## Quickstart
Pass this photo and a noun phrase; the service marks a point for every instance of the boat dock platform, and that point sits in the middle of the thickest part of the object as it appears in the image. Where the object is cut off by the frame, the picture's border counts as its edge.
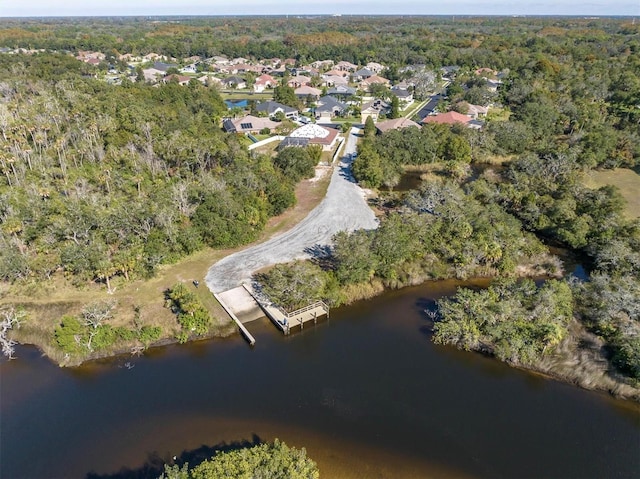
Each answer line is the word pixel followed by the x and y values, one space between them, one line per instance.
pixel 285 321
pixel 242 301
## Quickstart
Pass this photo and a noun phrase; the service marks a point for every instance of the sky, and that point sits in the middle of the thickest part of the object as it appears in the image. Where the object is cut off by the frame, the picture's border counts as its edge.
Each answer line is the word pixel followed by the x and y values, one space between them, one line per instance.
pixel 19 8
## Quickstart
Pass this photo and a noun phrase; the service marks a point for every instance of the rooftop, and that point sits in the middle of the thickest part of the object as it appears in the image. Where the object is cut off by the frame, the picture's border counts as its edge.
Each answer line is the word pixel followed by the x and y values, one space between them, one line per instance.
pixel 448 118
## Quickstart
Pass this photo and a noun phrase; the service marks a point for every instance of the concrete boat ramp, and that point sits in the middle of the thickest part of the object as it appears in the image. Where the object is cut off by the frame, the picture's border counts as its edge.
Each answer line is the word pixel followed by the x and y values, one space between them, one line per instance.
pixel 244 305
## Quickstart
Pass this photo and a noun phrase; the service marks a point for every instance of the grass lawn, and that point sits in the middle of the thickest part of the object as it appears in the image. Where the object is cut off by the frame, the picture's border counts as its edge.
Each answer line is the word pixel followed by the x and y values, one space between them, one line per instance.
pixel 245 95
pixel 498 114
pixel 413 108
pixel 268 149
pixel 627 181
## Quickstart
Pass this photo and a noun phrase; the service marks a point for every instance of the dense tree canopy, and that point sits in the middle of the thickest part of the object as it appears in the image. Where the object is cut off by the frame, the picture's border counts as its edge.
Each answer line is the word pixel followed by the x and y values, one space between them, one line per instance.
pixel 268 461
pixel 102 181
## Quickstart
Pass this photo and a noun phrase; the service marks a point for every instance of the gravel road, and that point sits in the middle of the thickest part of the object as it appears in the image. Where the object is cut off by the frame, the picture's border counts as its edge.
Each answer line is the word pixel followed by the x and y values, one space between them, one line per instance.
pixel 344 208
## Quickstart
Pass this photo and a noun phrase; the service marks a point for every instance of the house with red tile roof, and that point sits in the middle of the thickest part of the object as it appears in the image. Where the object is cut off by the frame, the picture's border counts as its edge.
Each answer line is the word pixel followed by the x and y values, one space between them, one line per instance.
pixel 263 82
pixel 180 79
pixel 449 118
pixel 373 80
pixel 336 73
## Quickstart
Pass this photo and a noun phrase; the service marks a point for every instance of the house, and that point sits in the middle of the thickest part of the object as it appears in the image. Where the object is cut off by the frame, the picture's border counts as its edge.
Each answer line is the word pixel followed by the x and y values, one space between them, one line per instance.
pixel 403 95
pixel 219 60
pixel 333 80
pixel 363 74
pixel 346 66
pixel 208 80
pixel 234 82
pixel 244 68
pixel 395 124
pixel 449 118
pixel 336 73
pixel 374 67
pixel 93 58
pixel 191 68
pixel 248 124
pixel 492 85
pixel 329 107
pixel 152 57
pixel 305 91
pixel 322 64
pixel 475 111
pixel 317 135
pixel 163 67
pixel 272 63
pixel 152 75
pixel 291 141
pixel 271 108
pixel 239 60
pixel 449 72
pixel 280 71
pixel 129 58
pixel 305 70
pixel 298 81
pixel 373 80
pixel 341 92
pixel 374 109
pixel 180 79
pixel 263 82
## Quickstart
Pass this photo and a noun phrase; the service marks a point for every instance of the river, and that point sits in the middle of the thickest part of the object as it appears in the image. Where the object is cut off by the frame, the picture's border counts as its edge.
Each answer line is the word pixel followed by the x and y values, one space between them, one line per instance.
pixel 366 393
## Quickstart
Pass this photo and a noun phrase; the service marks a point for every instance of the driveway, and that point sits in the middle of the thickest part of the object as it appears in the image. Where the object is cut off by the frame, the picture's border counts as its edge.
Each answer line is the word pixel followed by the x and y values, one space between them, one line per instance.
pixel 344 208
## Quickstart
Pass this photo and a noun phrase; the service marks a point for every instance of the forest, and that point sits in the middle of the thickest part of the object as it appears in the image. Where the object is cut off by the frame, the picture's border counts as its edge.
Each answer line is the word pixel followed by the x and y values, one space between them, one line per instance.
pixel 104 183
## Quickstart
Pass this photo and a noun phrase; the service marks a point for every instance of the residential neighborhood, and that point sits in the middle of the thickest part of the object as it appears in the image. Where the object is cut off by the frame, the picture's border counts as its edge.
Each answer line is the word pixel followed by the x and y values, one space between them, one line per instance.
pixel 326 92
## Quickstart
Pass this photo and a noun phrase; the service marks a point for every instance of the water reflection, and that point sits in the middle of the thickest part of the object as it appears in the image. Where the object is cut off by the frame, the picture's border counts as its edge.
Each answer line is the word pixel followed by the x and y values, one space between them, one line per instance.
pixel 366 393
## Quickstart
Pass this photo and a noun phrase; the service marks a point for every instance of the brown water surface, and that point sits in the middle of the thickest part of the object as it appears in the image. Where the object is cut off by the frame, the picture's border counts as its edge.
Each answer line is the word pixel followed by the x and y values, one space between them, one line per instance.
pixel 366 393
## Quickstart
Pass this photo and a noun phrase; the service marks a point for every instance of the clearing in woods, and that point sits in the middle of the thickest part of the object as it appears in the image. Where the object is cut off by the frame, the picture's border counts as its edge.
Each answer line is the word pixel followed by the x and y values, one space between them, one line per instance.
pixel 628 182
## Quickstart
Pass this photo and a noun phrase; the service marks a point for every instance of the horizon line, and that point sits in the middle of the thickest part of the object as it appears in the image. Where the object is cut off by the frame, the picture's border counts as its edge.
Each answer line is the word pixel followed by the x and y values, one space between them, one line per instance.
pixel 335 15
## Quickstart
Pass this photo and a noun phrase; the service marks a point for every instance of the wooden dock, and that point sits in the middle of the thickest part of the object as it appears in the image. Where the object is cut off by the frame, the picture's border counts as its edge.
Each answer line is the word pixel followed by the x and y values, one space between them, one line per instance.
pixel 285 321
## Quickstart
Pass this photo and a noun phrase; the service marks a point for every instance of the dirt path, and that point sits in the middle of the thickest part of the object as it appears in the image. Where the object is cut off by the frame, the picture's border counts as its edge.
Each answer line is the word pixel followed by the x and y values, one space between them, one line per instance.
pixel 343 209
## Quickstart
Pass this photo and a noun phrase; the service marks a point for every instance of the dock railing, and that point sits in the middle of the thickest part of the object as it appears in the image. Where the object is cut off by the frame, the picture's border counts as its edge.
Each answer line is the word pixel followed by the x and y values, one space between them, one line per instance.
pixel 317 304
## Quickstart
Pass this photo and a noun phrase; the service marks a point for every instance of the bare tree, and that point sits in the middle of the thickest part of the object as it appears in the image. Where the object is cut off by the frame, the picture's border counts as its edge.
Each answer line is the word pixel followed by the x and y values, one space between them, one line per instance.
pixel 94 314
pixel 10 318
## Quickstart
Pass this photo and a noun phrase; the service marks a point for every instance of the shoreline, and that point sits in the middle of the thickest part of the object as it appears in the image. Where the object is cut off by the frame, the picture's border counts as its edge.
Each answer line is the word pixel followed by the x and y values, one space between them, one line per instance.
pixel 309 194
pixel 570 363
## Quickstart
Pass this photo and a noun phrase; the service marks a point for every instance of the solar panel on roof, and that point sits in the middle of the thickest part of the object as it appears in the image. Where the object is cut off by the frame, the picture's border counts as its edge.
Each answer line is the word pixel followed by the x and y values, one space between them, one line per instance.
pixel 246 126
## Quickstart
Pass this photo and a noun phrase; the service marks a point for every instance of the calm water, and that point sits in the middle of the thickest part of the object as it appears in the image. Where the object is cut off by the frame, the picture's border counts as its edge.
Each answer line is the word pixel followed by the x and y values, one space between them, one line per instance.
pixel 366 393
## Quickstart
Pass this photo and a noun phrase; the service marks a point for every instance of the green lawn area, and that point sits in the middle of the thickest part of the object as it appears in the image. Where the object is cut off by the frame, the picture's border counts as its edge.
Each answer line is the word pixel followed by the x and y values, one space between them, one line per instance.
pixel 627 181
pixel 268 149
pixel 413 108
pixel 245 95
pixel 498 114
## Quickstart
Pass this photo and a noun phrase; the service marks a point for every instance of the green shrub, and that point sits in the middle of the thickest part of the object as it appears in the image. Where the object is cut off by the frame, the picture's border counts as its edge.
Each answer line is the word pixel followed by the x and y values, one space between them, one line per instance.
pixel 276 461
pixel 149 334
pixel 71 336
pixel 192 315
